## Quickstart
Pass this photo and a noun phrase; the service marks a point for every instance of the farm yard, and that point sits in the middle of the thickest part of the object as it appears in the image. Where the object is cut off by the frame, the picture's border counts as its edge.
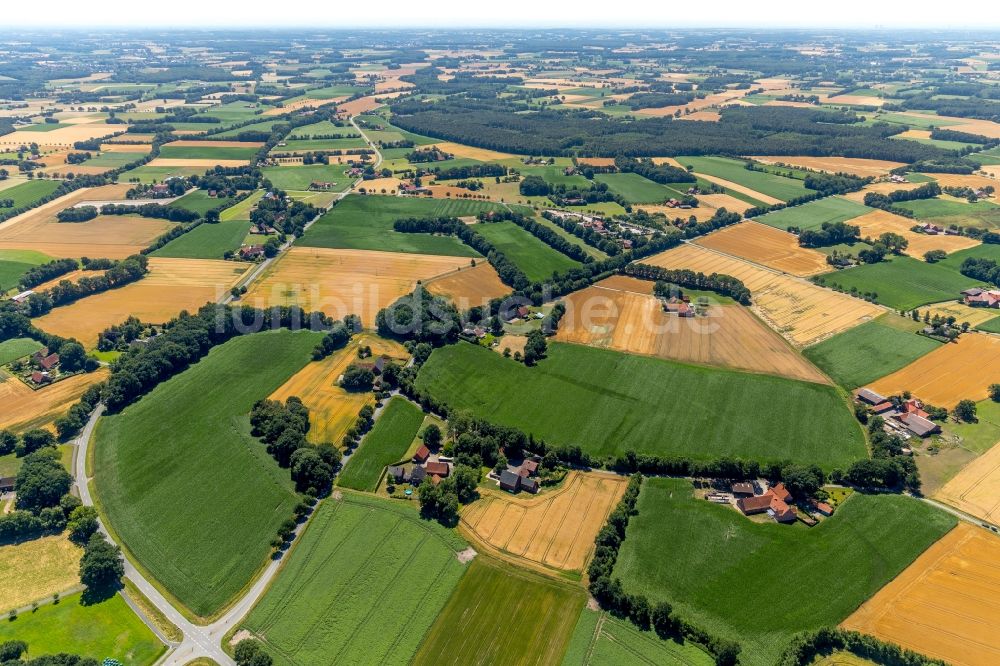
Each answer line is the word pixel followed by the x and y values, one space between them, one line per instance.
pixel 766 245
pixel 364 551
pixel 621 313
pixel 553 530
pixel 603 401
pixel 942 605
pixel 705 558
pixel 205 548
pixel 386 443
pixel 976 488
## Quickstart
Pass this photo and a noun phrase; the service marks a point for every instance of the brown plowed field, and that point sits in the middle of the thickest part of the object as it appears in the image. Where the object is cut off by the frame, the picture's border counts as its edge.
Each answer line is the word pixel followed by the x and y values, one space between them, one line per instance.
pixel 802 312
pixel 25 408
pixel 855 165
pixel 621 313
pixel 946 604
pixel 555 529
pixel 332 410
pixel 879 222
pixel 341 282
pixel 469 287
pixel 950 373
pixel 976 489
pixel 767 245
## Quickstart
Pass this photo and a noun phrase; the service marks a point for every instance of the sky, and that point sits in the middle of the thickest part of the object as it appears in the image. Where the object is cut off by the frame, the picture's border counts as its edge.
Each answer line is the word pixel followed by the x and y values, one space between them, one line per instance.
pixel 856 14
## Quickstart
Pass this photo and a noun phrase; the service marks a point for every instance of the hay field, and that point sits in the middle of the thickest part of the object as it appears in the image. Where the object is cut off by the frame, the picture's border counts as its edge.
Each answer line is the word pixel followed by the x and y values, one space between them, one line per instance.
pixel 341 282
pixel 596 161
pixel 378 185
pixel 879 222
pixel 944 604
pixel 855 165
pixel 952 372
pixel 767 245
pixel 63 137
pixel 194 162
pixel 332 409
pixel 35 570
pixel 976 489
pixel 24 408
pixel 170 286
pixel 727 201
pixel 469 287
pixel 470 152
pixel 802 312
pixel 621 313
pixel 555 529
pixel 742 189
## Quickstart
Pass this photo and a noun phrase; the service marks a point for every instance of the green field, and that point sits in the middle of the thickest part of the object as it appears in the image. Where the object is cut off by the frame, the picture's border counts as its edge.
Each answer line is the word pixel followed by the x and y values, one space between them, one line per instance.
pixel 206 241
pixel 193 496
pixel 112 160
pixel 635 188
pixel 721 570
pixel 308 146
pixel 329 92
pixel 764 182
pixel 385 444
pixel 208 152
pixel 241 211
pixel 498 611
pixel 29 192
pixel 199 202
pixel 365 583
pixel 15 263
pixel 365 223
pixel 150 174
pixel 10 463
pixel 812 215
pixel 872 350
pixel 984 251
pixel 15 348
pixel 991 326
pixel 108 629
pixel 601 638
pixel 299 177
pixel 901 282
pixel 608 402
pixel 945 212
pixel 324 127
pixel 535 258
pixel 263 126
pixel 559 231
pixel 983 435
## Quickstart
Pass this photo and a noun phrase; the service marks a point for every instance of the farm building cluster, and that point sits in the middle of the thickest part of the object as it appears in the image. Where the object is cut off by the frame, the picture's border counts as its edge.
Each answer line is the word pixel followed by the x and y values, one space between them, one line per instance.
pixel 905 418
pixel 518 477
pixel 981 298
pixel 758 497
pixel 425 465
pixel 41 368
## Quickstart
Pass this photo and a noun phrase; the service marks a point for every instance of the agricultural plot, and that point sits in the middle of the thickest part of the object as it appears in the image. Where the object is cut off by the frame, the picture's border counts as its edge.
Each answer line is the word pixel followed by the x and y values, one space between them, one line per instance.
pixel 107 630
pixel 300 146
pixel 705 558
pixel 601 638
pixel 472 153
pixel 299 177
pixel 241 210
pixel 553 530
pixel 853 165
pixel 901 283
pixel 976 488
pixel 766 245
pixel 16 348
pixel 607 402
pixel 813 214
pixel 772 186
pixel 537 260
pixel 537 614
pixel 332 409
pixel 113 159
pixel 200 532
pixel 881 188
pixel 341 590
pixel 952 372
pixel 365 223
pixel 206 241
pixel 947 211
pixel 150 173
pixel 342 282
pixel 199 202
pixel 872 350
pixel 385 444
pixel 34 570
pixel 878 222
pixel 62 136
pixel 15 263
pixel 634 187
pixel 621 313
pixel 209 150
pixel 26 408
pixel 170 286
pixel 961 312
pixel 29 191
pixel 944 604
pixel 801 311
pixel 469 287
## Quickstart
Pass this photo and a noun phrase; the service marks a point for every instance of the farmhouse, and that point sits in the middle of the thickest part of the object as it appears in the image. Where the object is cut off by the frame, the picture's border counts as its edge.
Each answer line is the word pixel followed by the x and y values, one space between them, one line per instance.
pixel 421 455
pixel 38 378
pixel 46 361
pixel 399 473
pixel 981 298
pixel 528 468
pixel 417 476
pixel 919 425
pixel 322 186
pixel 677 306
pixel 251 251
pixel 869 396
pixel 7 484
pixel 437 468
pixel 774 502
pixel 510 481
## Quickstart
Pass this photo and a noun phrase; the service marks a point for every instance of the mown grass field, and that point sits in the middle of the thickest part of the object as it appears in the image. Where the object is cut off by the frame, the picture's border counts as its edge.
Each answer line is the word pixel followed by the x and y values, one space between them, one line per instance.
pixel 946 211
pixel 15 348
pixel 874 349
pixel 321 128
pixel 108 629
pixel 635 188
pixel 601 638
pixel 206 241
pixel 15 263
pixel 609 402
pixel 29 192
pixel 208 152
pixel 365 223
pixel 263 126
pixel 112 160
pixel 499 614
pixel 764 182
pixel 900 282
pixel 535 258
pixel 812 215
pixel 364 583
pixel 709 561
pixel 309 145
pixel 991 326
pixel 157 174
pixel 299 177
pixel 385 444
pixel 191 494
pixel 199 202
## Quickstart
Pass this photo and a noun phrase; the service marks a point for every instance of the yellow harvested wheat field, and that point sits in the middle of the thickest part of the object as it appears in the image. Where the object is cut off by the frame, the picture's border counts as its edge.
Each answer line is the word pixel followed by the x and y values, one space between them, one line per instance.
pixel 35 570
pixel 801 311
pixel 553 530
pixel 855 165
pixel 976 489
pixel 25 408
pixel 878 222
pixel 469 287
pixel 742 189
pixel 621 313
pixel 950 373
pixel 962 180
pixel 880 188
pixel 172 285
pixel 332 409
pixel 766 245
pixel 62 137
pixel 342 282
pixel 943 605
pixel 471 152
pixel 195 162
pixel 727 201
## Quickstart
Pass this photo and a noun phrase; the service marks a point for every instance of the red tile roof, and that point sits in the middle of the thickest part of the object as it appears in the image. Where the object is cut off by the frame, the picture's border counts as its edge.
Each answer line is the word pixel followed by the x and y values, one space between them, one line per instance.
pixel 421 454
pixel 439 468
